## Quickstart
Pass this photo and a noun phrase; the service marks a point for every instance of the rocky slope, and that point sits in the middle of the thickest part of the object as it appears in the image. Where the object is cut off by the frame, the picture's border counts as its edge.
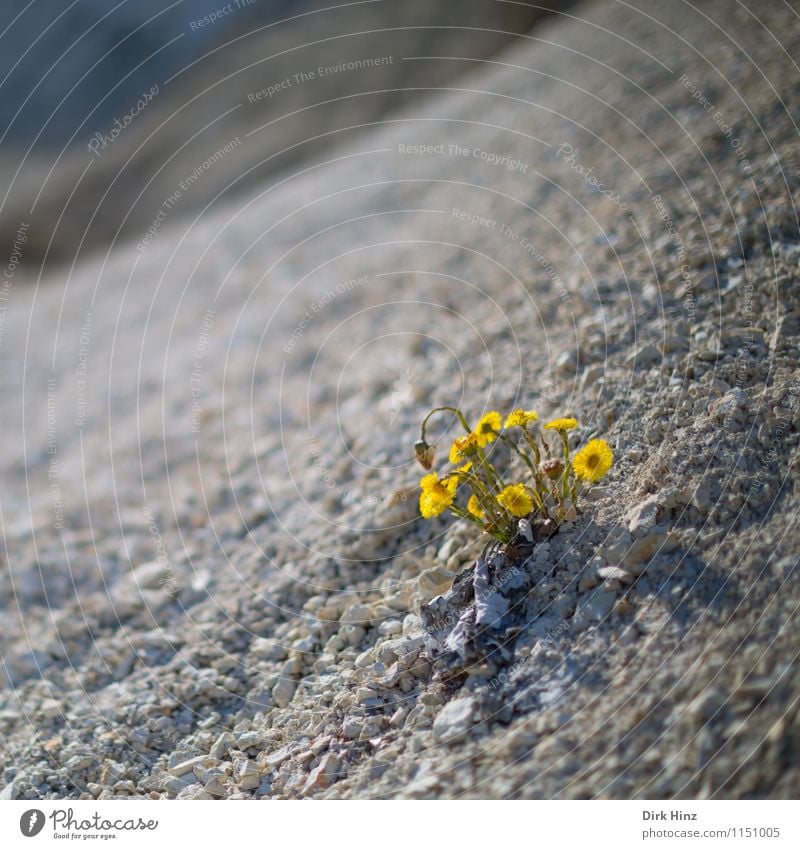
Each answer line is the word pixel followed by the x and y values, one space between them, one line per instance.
pixel 215 566
pixel 97 140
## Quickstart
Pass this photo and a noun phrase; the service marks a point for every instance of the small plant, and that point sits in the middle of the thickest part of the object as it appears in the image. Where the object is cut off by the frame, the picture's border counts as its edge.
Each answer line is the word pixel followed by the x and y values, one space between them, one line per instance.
pixel 493 502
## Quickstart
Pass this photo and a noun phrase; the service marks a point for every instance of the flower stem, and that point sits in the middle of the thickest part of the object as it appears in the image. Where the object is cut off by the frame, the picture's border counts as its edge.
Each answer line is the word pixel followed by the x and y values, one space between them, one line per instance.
pixel 565 476
pixel 449 410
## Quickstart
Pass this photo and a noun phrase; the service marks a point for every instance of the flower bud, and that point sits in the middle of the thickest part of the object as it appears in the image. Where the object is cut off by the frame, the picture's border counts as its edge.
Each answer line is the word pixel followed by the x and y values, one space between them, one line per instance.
pixel 552 469
pixel 424 453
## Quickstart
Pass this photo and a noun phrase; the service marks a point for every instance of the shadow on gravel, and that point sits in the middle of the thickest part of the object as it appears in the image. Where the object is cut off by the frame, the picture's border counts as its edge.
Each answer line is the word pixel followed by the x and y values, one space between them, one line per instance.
pixel 517 654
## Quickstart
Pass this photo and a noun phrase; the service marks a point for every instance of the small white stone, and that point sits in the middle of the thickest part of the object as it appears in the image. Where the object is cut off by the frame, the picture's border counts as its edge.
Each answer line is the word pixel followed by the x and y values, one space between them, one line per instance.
pixel 328 771
pixel 595 607
pixel 614 573
pixel 454 720
pixel 356 614
pixel 365 694
pixel 283 691
pixel 222 744
pixel 643 516
pixel 352 727
pixel 183 767
pixel 267 649
pixel 365 659
pixel 248 775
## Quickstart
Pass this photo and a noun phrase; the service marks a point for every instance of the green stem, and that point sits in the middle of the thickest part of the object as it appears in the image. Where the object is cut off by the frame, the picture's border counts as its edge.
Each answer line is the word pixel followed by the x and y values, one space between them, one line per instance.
pixel 534 447
pixel 465 514
pixel 537 477
pixel 449 410
pixel 565 475
pixel 492 475
pixel 485 498
pixel 526 459
pixel 540 485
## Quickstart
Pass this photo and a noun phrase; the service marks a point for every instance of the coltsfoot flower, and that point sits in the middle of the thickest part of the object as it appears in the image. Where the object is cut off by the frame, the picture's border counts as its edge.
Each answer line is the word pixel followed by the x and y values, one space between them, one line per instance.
pixel 516 500
pixel 521 418
pixel 561 425
pixel 488 428
pixel 474 507
pixel 436 495
pixel 463 448
pixel 593 460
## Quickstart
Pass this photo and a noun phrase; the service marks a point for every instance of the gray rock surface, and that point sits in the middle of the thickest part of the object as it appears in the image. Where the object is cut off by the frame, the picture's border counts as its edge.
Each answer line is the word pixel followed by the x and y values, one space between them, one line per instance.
pixel 237 403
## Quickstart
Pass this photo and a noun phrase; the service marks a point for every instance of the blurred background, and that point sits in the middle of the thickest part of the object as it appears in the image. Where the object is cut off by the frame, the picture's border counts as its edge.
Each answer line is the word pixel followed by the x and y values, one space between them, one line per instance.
pixel 108 106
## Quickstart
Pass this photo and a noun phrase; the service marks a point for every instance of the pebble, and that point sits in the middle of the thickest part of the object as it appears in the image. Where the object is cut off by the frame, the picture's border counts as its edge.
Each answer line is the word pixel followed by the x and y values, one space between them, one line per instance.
pixel 247 774
pixel 596 606
pixel 250 739
pixel 176 784
pixel 701 496
pixel 365 695
pixel 614 573
pixel 390 628
pixel 196 792
pixel 224 742
pixel 215 787
pixel 284 691
pixel 365 659
pixel 356 614
pixel 566 362
pixel 398 718
pixel 352 727
pixel 78 763
pixel 274 760
pixel 319 746
pixel 50 708
pixel 643 516
pixel 328 771
pixel 454 720
pixel 151 575
pixel 391 676
pixel 267 649
pixel 182 767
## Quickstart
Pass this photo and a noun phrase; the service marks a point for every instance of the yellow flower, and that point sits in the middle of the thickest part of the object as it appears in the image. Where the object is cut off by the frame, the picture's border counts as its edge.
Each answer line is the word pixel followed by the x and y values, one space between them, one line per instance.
pixel 475 508
pixel 463 447
pixel 516 500
pixel 488 428
pixel 521 418
pixel 436 495
pixel 465 469
pixel 593 460
pixel 561 424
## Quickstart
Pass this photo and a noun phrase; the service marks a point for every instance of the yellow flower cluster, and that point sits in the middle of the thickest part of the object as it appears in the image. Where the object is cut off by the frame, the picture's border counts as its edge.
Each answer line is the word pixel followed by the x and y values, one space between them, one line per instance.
pixel 493 505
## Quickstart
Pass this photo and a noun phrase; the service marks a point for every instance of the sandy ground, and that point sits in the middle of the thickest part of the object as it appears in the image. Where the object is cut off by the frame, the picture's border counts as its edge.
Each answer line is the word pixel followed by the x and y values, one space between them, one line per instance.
pixel 214 580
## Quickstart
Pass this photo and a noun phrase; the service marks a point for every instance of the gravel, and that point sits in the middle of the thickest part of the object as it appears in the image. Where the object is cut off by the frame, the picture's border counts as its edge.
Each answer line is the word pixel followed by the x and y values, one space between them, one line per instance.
pixel 238 581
